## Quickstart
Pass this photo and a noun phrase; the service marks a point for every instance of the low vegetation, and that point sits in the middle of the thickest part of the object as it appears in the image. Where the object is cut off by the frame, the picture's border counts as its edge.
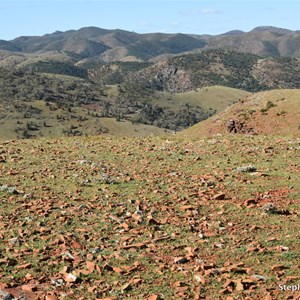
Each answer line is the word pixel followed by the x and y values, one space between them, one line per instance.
pixel 269 113
pixel 93 206
pixel 108 218
pixel 55 103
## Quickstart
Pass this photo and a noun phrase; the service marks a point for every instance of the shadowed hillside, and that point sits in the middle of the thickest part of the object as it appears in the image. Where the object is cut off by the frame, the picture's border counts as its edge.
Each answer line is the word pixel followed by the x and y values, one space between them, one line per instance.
pixel 113 45
pixel 215 67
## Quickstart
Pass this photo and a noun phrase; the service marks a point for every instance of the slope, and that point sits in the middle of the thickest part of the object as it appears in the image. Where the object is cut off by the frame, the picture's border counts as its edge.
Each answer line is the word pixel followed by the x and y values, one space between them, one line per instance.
pixel 273 112
pixel 219 67
pixel 215 98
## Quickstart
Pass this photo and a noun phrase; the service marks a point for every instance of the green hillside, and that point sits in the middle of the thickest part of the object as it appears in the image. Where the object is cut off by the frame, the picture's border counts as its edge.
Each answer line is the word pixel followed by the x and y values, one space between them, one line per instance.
pixel 216 98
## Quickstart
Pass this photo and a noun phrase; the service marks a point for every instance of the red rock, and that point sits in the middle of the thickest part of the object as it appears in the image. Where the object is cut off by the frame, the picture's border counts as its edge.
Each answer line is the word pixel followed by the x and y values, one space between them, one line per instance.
pixel 51 297
pixel 239 285
pixel 220 196
pixel 278 268
pixel 153 297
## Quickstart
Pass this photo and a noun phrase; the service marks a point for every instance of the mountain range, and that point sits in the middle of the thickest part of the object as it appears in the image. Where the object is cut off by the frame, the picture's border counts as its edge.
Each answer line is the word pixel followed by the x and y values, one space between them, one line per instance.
pixel 115 45
pixel 93 81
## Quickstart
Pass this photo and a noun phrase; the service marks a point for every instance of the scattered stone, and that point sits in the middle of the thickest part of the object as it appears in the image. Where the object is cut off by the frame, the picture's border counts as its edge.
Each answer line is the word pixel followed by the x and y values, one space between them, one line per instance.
pixel 58 282
pixel 284 248
pixel 106 178
pixel 82 206
pixel 126 287
pixel 85 182
pixel 199 278
pixel 96 250
pixel 250 202
pixel 210 184
pixel 3 188
pixel 269 208
pixel 12 190
pixel 172 174
pixel 277 268
pixel 9 189
pixel 5 296
pixel 219 245
pixel 201 235
pixel 68 256
pixel 84 161
pixel 239 285
pixel 28 196
pixel 246 169
pixel 259 277
pixel 12 262
pixel 220 196
pixel 28 219
pixel 13 241
pixel 181 260
pixel 71 278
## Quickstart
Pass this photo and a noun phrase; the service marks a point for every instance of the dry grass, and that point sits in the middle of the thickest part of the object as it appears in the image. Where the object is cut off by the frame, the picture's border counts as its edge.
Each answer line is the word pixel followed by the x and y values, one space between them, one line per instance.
pixel 274 112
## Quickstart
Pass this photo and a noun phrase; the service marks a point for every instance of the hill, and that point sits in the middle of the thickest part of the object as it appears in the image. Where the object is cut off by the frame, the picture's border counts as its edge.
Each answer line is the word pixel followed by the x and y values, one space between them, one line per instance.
pixel 173 95
pixel 177 74
pixel 215 98
pixel 266 113
pixel 35 104
pixel 216 67
pixel 92 41
pixel 115 45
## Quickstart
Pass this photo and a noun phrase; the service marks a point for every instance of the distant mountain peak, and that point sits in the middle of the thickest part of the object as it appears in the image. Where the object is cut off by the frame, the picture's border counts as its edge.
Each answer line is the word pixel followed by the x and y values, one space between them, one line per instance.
pixel 271 29
pixel 117 44
pixel 233 32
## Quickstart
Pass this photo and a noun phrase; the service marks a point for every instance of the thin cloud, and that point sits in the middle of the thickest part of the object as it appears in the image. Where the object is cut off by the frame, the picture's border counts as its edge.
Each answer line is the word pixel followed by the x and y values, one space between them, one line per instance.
pixel 208 11
pixel 201 11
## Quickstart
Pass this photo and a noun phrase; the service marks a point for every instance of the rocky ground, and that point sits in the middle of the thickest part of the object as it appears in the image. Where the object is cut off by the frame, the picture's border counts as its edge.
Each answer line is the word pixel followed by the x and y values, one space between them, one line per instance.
pixel 108 218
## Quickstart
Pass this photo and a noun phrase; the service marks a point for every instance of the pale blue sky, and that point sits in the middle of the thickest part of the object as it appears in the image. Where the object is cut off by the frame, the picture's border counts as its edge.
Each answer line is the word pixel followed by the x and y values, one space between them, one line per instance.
pixel 38 17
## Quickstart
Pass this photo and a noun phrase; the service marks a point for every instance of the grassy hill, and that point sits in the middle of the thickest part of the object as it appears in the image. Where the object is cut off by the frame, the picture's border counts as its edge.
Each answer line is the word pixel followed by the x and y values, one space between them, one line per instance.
pixel 269 113
pixel 51 104
pixel 174 94
pixel 216 98
pixel 39 118
pixel 153 218
pixel 36 119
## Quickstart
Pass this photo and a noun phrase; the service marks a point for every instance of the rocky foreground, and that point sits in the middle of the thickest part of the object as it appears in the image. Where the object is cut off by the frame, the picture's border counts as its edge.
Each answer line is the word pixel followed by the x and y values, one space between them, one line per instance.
pixel 108 218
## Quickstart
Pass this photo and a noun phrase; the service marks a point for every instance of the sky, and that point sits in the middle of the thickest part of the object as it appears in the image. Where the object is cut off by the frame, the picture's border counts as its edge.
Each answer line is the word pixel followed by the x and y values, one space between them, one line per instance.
pixel 39 17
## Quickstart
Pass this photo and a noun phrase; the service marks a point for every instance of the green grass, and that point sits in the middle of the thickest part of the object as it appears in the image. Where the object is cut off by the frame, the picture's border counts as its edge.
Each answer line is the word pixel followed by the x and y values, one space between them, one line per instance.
pixel 15 122
pixel 65 207
pixel 216 97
